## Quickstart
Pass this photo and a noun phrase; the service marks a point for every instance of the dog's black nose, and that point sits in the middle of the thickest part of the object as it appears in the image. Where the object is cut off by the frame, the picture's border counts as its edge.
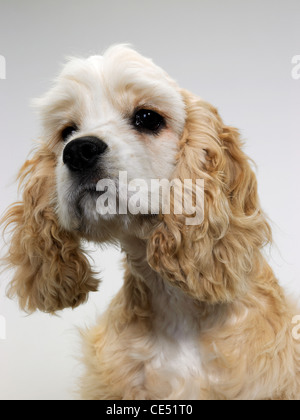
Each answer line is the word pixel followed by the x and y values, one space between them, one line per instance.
pixel 83 153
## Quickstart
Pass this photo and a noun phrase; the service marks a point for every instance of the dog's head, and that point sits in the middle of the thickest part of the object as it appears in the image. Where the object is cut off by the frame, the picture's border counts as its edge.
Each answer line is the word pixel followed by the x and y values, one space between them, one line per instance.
pixel 121 114
pixel 109 115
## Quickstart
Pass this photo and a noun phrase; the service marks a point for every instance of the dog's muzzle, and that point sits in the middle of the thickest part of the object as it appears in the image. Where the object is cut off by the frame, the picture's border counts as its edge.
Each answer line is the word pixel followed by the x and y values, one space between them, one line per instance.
pixel 83 153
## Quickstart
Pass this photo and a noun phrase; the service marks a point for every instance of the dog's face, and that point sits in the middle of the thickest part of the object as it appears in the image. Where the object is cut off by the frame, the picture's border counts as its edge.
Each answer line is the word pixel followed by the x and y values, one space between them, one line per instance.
pixel 106 115
pixel 122 114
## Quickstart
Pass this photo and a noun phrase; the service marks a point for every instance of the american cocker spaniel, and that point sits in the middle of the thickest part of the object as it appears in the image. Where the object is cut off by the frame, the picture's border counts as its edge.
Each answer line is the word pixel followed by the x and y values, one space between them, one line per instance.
pixel 200 314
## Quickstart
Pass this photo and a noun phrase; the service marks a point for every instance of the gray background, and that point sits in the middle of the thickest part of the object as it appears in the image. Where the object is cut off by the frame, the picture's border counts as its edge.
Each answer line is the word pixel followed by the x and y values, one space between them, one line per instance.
pixel 235 54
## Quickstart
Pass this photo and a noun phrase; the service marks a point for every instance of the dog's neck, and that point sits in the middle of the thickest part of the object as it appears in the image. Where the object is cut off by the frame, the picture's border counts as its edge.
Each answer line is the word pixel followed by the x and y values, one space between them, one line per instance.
pixel 173 310
pixel 136 253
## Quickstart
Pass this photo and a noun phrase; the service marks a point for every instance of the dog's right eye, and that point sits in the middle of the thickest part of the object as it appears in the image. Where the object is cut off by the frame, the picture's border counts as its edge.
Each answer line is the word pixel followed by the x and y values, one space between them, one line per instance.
pixel 68 131
pixel 148 120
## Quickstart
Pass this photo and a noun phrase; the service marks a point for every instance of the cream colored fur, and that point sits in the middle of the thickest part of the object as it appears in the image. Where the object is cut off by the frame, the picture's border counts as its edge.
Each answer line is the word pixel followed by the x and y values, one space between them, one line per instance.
pixel 200 314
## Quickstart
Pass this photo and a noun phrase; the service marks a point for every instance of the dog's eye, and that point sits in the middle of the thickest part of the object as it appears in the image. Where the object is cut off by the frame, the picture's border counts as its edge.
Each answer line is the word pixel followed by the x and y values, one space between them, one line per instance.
pixel 146 120
pixel 68 131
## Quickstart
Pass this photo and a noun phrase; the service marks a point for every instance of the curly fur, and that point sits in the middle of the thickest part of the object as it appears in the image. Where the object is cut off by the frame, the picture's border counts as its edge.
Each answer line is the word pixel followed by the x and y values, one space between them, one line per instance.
pixel 52 271
pixel 201 314
pixel 215 261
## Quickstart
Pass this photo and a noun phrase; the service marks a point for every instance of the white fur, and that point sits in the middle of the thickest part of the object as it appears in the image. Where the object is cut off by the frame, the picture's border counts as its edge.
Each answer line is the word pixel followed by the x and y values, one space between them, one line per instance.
pixel 100 95
pixel 211 321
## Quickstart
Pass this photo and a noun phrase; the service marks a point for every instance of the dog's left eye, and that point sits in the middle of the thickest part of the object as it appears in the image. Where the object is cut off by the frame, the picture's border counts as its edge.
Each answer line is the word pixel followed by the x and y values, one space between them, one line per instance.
pixel 68 132
pixel 147 120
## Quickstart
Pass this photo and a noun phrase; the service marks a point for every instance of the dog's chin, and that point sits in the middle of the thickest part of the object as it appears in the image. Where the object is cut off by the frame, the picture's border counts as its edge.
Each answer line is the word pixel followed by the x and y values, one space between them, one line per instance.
pixel 88 215
pixel 84 214
pixel 78 209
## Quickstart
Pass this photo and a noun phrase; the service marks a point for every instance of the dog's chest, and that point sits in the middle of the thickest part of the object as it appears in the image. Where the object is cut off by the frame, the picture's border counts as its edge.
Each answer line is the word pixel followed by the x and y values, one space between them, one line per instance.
pixel 176 344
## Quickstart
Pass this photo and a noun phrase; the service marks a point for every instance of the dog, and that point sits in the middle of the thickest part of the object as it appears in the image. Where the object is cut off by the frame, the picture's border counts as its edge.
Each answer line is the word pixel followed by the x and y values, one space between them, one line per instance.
pixel 201 314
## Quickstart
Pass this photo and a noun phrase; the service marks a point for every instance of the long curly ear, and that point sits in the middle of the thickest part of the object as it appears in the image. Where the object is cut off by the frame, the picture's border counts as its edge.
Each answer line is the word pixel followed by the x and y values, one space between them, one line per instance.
pixel 52 272
pixel 215 260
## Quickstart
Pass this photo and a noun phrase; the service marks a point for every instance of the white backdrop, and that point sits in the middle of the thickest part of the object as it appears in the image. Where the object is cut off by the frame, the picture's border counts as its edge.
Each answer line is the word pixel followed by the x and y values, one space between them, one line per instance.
pixel 235 54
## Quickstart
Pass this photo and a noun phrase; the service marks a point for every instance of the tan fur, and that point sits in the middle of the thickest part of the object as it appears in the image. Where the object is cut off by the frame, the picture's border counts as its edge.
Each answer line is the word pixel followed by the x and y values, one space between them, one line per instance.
pixel 213 262
pixel 200 314
pixel 243 320
pixel 52 271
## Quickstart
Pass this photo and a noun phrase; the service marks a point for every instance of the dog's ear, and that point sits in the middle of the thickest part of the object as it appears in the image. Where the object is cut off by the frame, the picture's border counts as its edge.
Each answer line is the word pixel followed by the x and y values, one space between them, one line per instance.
pixel 215 260
pixel 52 271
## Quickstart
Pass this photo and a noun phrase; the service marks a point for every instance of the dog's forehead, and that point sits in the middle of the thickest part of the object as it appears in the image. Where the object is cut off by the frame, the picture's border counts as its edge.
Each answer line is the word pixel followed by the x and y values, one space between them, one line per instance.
pixel 118 65
pixel 117 82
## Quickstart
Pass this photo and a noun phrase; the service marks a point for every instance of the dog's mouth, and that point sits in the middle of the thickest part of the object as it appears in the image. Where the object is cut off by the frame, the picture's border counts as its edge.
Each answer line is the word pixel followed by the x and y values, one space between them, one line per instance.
pixel 90 184
pixel 90 192
pixel 93 191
